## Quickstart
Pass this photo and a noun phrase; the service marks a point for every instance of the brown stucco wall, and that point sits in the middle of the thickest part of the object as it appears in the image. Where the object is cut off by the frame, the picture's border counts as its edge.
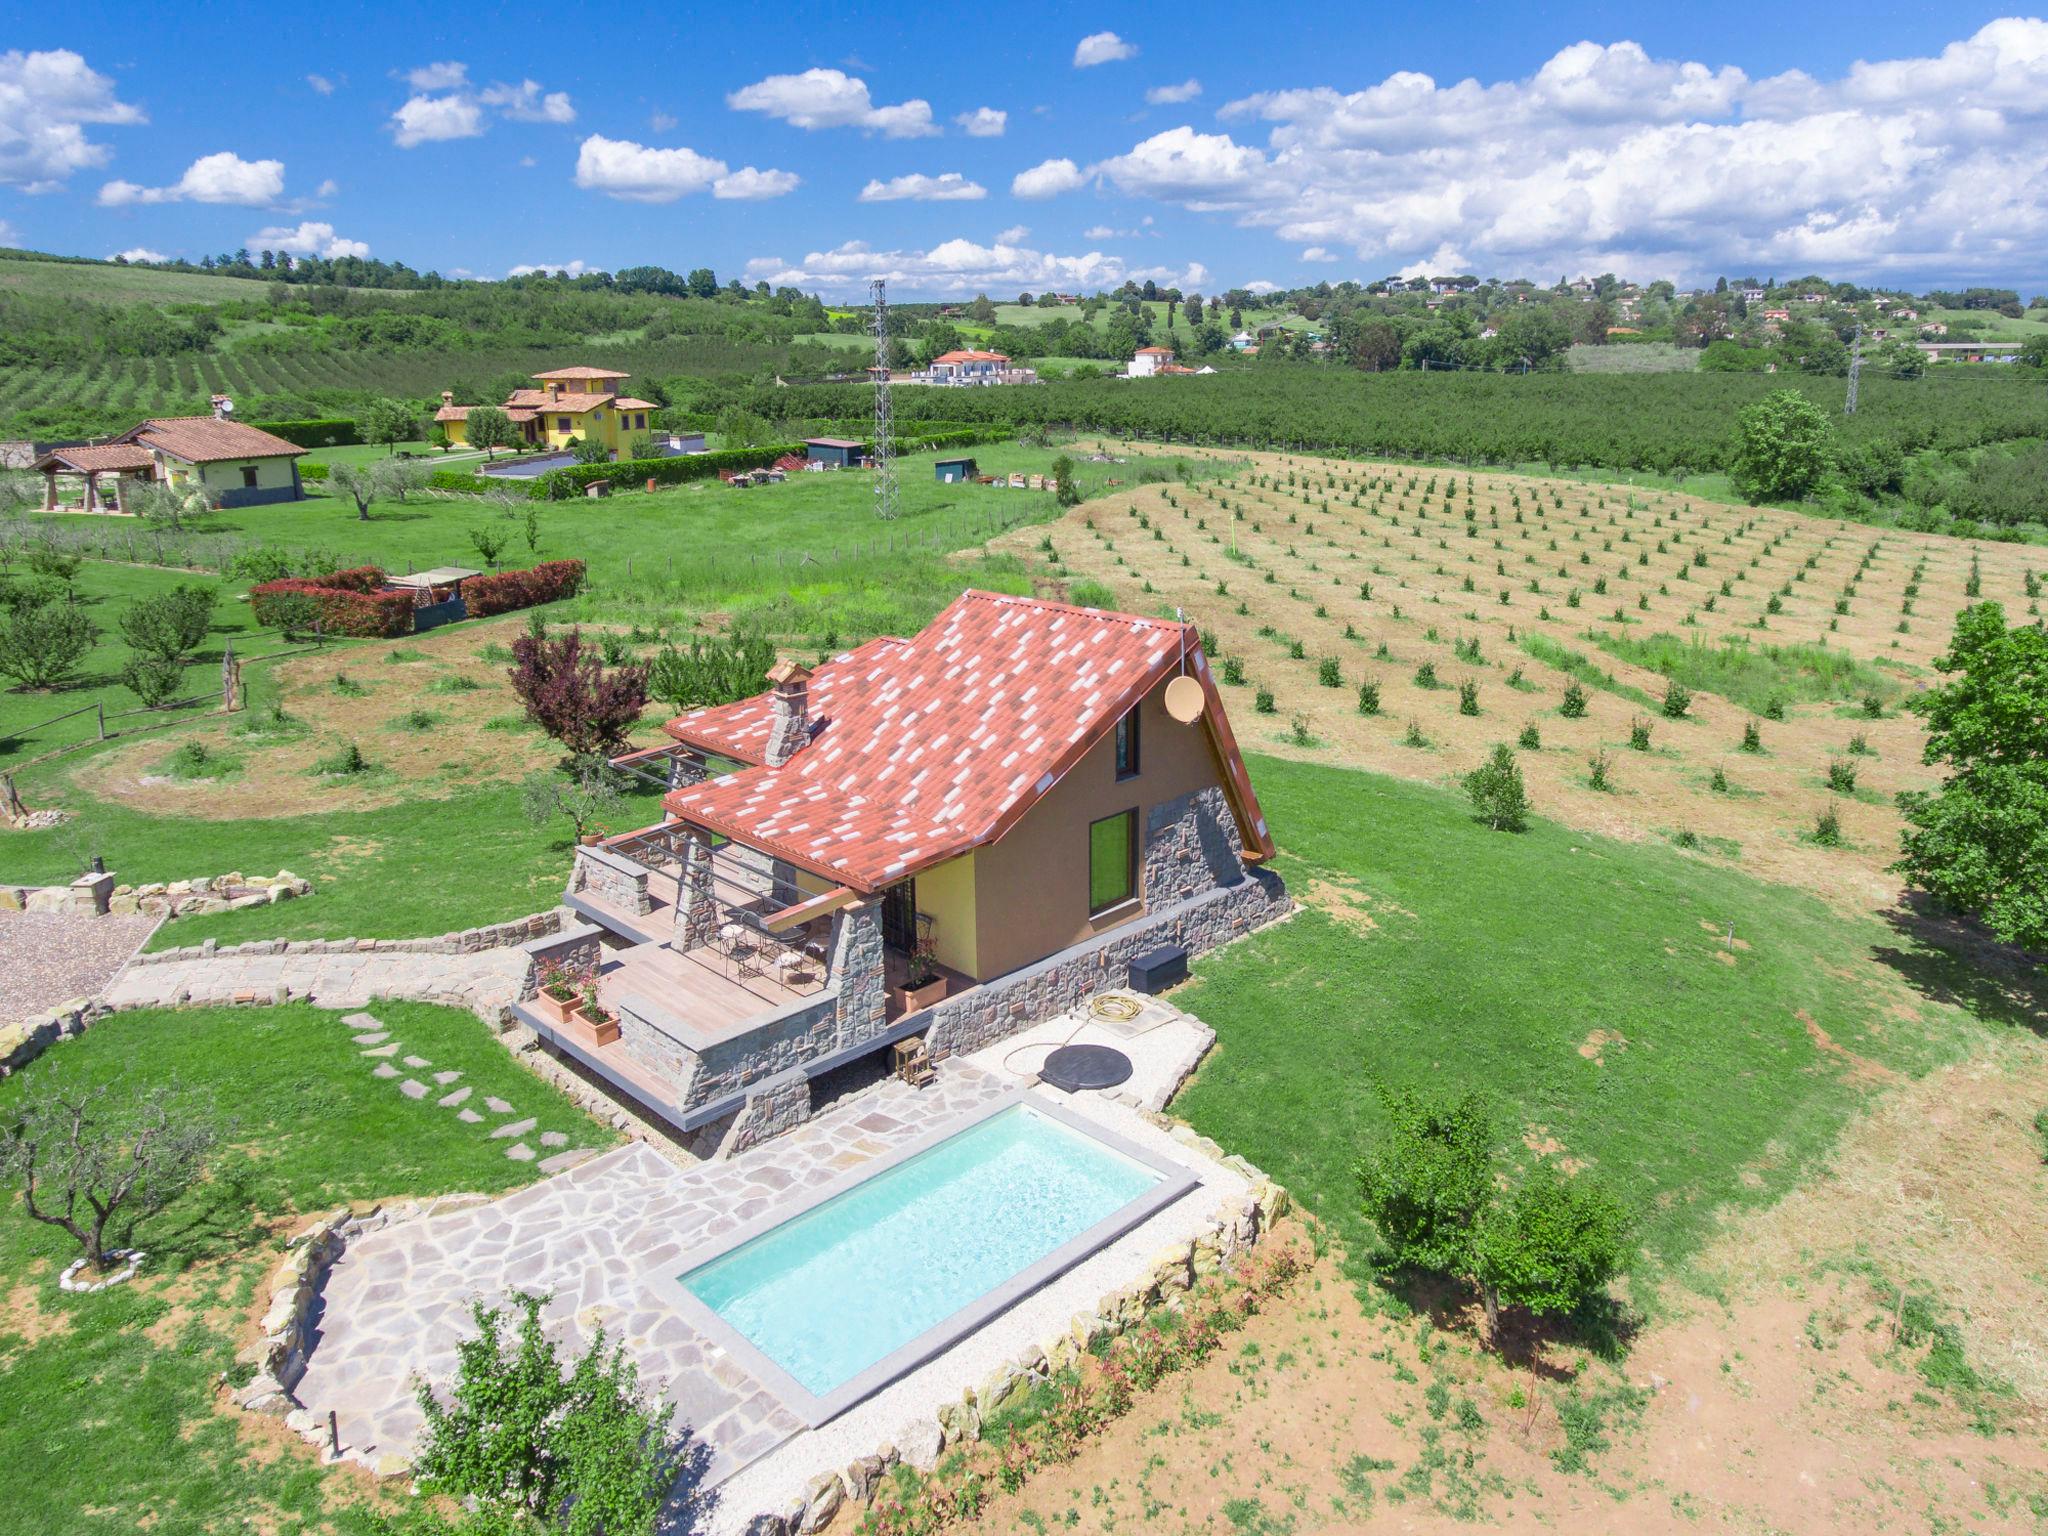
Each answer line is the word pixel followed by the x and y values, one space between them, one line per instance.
pixel 1031 886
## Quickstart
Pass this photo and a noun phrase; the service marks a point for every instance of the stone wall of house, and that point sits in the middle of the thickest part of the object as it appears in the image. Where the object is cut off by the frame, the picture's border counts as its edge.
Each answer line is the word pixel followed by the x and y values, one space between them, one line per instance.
pixel 606 876
pixel 520 930
pixel 579 950
pixel 996 1009
pixel 1191 845
pixel 653 1037
pixel 857 971
pixel 781 1104
pixel 799 1034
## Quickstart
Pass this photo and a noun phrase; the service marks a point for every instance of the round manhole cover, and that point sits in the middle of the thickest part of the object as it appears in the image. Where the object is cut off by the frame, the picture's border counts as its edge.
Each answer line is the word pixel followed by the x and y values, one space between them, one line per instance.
pixel 1075 1067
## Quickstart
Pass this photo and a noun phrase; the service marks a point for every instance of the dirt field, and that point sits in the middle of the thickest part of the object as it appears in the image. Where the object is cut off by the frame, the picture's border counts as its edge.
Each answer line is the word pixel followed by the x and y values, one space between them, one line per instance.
pixel 1381 569
pixel 429 712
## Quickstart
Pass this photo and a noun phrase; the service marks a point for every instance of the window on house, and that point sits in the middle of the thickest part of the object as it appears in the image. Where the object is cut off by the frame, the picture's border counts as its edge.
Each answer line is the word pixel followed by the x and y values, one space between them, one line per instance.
pixel 1127 745
pixel 1112 861
pixel 249 476
pixel 561 424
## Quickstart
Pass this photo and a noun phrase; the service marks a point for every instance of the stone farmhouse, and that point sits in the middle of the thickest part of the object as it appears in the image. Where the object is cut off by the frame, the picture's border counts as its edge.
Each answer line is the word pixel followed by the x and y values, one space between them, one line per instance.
pixel 951 836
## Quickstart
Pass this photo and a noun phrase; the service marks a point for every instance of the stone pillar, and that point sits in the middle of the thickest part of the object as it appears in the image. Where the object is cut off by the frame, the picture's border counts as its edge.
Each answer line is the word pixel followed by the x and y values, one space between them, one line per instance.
pixel 49 490
pixel 684 770
pixel 789 726
pixel 92 490
pixel 857 968
pixel 120 493
pixel 696 909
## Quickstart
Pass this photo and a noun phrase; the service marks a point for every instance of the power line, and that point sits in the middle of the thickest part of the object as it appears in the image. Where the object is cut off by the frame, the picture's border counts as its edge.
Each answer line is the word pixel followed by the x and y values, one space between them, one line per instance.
pixel 885 411
pixel 1855 371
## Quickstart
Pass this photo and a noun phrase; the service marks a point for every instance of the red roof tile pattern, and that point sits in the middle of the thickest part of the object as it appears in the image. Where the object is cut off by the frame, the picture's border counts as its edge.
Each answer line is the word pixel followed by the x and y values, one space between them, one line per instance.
pixel 972 357
pixel 580 373
pixel 454 413
pixel 209 439
pixel 572 404
pixel 628 403
pixel 924 748
pixel 107 458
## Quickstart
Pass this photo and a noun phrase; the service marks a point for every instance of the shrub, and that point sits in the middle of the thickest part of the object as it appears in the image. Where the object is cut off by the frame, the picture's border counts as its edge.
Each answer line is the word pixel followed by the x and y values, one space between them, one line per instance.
pixel 1639 735
pixel 1596 772
pixel 41 642
pixel 1329 673
pixel 716 669
pixel 489 542
pixel 168 626
pixel 1429 1176
pixel 1498 795
pixel 1752 737
pixel 345 603
pixel 1262 701
pixel 1425 675
pixel 1677 700
pixel 1719 782
pixel 1842 776
pixel 1368 698
pixel 1827 827
pixel 1549 1246
pixel 330 432
pixel 345 762
pixel 569 694
pixel 507 591
pixel 1573 706
pixel 153 679
pixel 1531 739
pixel 1468 698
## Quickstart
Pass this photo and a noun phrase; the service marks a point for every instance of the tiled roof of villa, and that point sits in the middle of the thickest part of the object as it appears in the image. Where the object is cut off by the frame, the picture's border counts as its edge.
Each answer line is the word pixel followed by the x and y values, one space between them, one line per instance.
pixel 574 404
pixel 453 413
pixel 922 749
pixel 106 458
pixel 209 439
pixel 972 357
pixel 628 403
pixel 586 374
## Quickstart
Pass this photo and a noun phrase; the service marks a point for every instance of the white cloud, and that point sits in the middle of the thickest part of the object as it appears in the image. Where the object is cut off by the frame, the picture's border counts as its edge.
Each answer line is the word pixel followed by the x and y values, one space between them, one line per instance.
pixel 218 178
pixel 527 103
pixel 1173 95
pixel 46 101
pixel 445 106
pixel 133 253
pixel 1102 48
pixel 321 84
pixel 1608 158
pixel 1320 253
pixel 1105 232
pixel 435 119
pixel 831 98
pixel 749 185
pixel 308 239
pixel 660 122
pixel 438 77
pixel 1260 285
pixel 950 187
pixel 573 268
pixel 1016 234
pixel 635 173
pixel 327 188
pixel 953 267
pixel 9 235
pixel 983 122
pixel 1048 178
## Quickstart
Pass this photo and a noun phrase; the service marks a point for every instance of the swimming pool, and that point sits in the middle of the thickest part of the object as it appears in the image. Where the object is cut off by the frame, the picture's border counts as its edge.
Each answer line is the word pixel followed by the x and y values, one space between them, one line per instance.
pixel 830 1304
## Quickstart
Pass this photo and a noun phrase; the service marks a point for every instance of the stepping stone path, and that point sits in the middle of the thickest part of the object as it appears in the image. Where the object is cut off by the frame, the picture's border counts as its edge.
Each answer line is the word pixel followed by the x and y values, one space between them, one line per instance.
pixel 377 1043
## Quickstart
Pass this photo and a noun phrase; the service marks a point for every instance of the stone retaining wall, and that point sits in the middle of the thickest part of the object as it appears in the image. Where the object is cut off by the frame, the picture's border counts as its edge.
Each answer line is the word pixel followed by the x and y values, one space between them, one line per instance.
pixel 22 1043
pixel 521 930
pixel 994 1010
pixel 87 896
pixel 232 892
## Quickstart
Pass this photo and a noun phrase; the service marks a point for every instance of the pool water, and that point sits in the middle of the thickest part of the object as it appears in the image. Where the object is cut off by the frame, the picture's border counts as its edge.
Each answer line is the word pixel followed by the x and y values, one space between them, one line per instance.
pixel 829 1293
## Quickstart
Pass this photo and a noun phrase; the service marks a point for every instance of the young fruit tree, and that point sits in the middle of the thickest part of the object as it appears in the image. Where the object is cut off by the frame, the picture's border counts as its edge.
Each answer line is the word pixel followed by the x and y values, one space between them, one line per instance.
pixel 588 795
pixel 41 642
pixel 163 629
pixel 1979 843
pixel 390 422
pixel 1783 447
pixel 1499 797
pixel 84 1159
pixel 569 693
pixel 534 1449
pixel 490 429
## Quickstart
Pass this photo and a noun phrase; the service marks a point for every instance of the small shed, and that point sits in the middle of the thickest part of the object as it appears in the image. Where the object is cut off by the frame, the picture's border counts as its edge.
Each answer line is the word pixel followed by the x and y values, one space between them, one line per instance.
pixel 839 452
pixel 436 595
pixel 953 470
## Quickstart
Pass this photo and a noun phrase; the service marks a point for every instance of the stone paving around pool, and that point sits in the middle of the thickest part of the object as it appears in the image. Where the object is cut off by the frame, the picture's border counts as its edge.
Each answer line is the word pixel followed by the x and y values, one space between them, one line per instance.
pixel 396 1301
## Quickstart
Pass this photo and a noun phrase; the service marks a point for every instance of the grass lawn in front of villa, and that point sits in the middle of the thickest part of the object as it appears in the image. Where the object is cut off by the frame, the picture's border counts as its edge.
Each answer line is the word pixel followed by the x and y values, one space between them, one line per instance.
pixel 119 1392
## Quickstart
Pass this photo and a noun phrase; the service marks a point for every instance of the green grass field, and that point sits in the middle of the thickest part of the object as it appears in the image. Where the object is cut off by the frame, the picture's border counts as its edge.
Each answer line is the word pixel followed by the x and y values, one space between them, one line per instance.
pixel 1752 675
pixel 117 1392
pixel 105 283
pixel 1582 983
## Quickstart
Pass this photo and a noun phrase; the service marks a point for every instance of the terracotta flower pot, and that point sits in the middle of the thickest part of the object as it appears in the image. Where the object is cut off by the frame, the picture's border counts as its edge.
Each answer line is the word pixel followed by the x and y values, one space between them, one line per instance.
pixel 599 1031
pixel 553 1009
pixel 916 998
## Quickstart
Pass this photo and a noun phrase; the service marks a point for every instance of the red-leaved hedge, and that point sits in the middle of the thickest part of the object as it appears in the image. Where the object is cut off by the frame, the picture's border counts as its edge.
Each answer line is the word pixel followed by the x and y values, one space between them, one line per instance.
pixel 503 591
pixel 346 603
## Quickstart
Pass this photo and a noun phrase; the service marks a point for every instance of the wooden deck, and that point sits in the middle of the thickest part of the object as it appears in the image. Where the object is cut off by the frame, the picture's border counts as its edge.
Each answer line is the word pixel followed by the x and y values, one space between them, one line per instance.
pixel 701 988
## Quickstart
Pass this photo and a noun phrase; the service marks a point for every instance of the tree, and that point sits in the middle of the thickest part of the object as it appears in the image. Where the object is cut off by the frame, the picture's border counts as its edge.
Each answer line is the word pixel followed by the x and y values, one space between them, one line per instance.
pixel 1549 1246
pixel 162 630
pixel 1064 491
pixel 581 1454
pixel 740 428
pixel 390 422
pixel 490 429
pixel 981 311
pixel 83 1159
pixel 41 641
pixel 1782 447
pixel 589 450
pixel 588 794
pixel 164 504
pixel 1431 1175
pixel 702 283
pixel 718 669
pixel 489 542
pixel 1979 844
pixel 1499 797
pixel 569 693
pixel 359 483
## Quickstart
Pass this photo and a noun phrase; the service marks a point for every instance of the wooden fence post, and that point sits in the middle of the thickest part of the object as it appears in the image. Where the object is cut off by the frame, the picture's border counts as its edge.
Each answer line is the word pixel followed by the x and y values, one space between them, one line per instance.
pixel 101 706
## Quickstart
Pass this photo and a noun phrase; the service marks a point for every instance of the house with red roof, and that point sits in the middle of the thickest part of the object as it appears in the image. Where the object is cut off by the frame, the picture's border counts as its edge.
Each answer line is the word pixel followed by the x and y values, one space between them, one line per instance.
pixel 228 462
pixel 1147 361
pixel 953 835
pixel 571 403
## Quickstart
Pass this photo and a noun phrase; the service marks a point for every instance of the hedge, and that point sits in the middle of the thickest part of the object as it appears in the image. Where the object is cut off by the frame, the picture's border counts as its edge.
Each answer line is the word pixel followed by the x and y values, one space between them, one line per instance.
pixel 341 603
pixel 331 432
pixel 503 591
pixel 310 469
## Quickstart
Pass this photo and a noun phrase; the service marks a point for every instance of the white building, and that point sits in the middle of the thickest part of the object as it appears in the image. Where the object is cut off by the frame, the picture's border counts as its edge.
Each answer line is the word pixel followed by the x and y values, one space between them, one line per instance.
pixel 1148 361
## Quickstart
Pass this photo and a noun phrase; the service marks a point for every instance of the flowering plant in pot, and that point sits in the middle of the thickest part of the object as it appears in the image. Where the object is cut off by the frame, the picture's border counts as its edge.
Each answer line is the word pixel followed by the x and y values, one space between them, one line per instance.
pixel 594 1016
pixel 923 982
pixel 558 994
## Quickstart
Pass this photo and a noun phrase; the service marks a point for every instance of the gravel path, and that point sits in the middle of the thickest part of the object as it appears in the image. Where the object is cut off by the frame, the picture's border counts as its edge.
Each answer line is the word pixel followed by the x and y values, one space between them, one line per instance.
pixel 49 958
pixel 483 981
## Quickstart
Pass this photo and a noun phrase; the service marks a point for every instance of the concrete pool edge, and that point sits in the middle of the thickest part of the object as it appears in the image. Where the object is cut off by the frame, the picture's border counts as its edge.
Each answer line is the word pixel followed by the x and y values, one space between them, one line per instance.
pixel 814 1409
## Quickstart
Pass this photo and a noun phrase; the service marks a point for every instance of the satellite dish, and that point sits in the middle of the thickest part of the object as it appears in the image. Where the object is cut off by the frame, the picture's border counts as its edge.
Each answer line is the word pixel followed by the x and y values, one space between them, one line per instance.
pixel 1185 700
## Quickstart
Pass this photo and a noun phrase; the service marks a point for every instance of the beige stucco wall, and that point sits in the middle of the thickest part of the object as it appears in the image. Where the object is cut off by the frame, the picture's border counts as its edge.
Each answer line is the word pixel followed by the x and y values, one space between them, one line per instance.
pixel 1031 886
pixel 271 474
pixel 949 893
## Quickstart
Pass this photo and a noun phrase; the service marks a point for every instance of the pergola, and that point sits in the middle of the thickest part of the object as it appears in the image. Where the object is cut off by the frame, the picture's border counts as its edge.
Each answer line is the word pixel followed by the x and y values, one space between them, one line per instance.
pixel 125 462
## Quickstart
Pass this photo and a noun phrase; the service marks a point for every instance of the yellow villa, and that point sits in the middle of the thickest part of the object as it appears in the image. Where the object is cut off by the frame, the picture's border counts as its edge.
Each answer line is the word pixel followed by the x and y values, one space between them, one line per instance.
pixel 571 403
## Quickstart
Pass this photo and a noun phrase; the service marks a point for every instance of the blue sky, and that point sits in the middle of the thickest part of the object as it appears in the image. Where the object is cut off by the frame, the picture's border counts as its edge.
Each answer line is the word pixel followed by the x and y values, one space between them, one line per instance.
pixel 965 148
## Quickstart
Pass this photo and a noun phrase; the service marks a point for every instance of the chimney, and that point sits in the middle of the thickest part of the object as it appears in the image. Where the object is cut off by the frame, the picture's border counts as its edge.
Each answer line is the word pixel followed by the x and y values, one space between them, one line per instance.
pixel 223 407
pixel 447 397
pixel 790 723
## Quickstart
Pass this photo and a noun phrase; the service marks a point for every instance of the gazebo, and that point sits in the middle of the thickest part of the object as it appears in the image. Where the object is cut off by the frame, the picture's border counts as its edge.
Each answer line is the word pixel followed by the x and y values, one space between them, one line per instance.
pixel 126 463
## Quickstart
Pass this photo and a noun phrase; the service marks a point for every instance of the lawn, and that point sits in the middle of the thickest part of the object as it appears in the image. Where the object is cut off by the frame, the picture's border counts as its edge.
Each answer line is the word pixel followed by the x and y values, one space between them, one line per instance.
pixel 118 1392
pixel 1584 984
pixel 111 284
pixel 105 589
pixel 1752 675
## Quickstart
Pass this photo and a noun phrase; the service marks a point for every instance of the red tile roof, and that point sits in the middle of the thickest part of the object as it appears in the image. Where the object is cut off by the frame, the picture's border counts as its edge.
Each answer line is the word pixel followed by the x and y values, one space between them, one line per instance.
pixel 580 373
pixel 573 404
pixel 972 357
pixel 209 439
pixel 924 748
pixel 1157 351
pixel 100 460
pixel 453 413
pixel 628 403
